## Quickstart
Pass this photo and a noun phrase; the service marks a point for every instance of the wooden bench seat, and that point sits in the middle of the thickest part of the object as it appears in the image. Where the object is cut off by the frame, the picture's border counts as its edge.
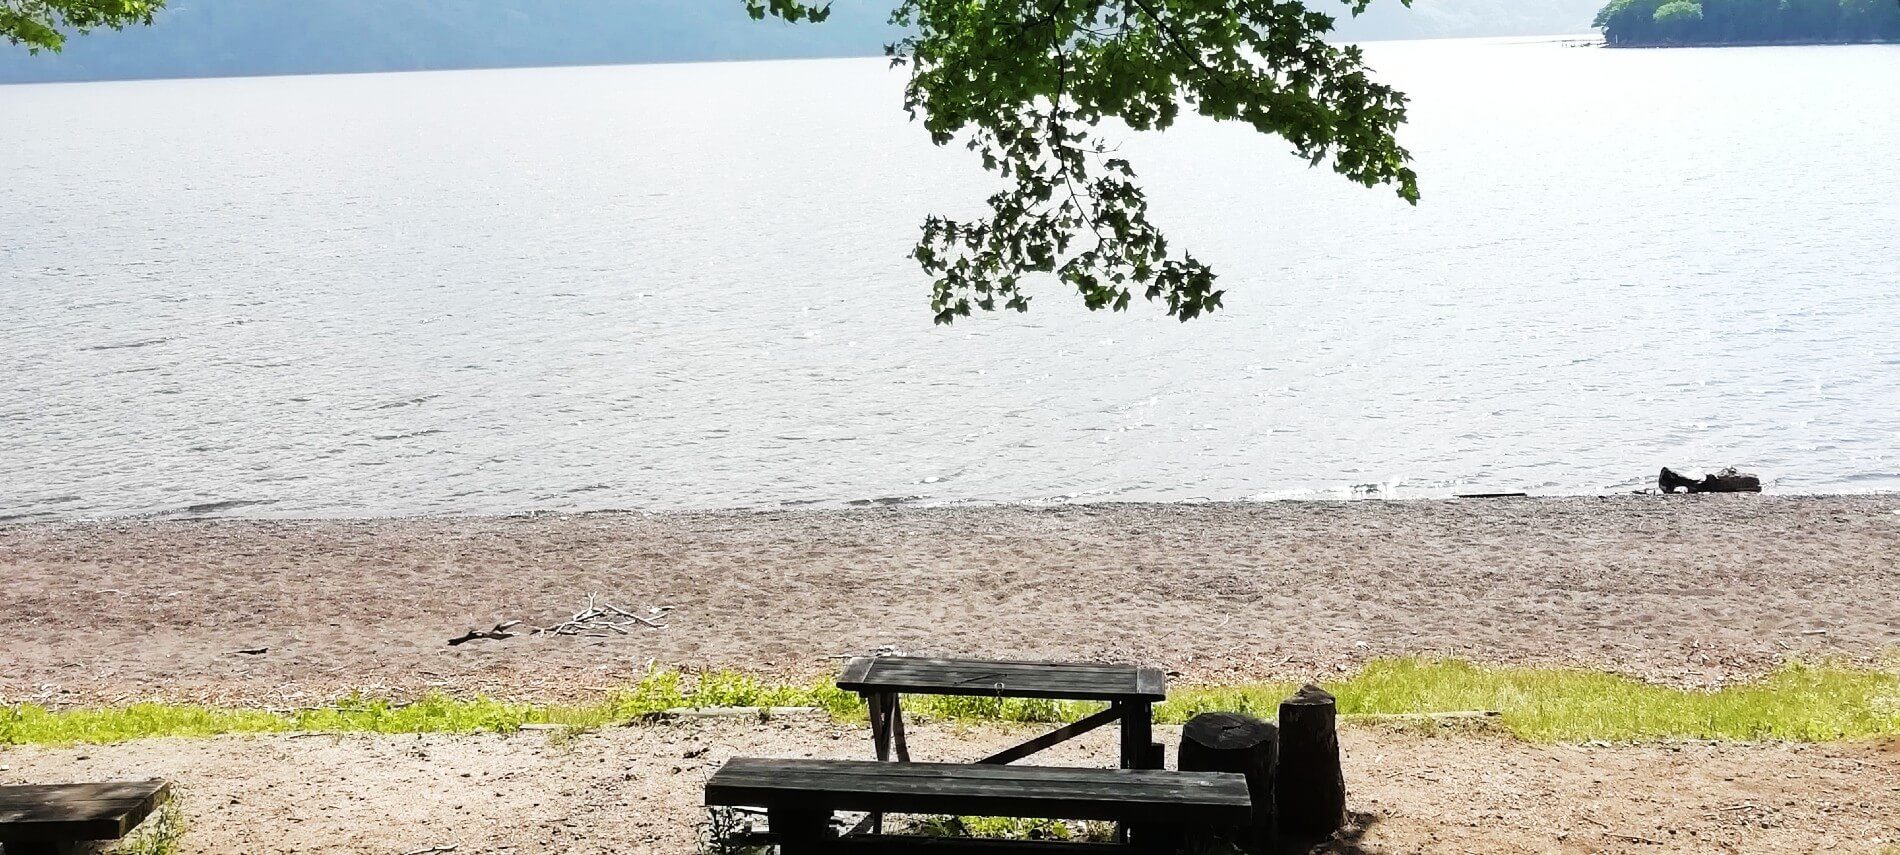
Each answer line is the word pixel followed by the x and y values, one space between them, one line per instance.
pixel 53 819
pixel 799 796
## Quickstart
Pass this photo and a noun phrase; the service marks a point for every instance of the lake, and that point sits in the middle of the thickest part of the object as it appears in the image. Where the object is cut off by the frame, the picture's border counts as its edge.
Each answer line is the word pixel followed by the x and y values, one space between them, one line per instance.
pixel 685 286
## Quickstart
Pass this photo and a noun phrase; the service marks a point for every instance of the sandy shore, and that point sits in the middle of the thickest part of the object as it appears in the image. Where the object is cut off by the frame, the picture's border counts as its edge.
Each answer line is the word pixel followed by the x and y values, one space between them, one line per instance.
pixel 638 789
pixel 1687 589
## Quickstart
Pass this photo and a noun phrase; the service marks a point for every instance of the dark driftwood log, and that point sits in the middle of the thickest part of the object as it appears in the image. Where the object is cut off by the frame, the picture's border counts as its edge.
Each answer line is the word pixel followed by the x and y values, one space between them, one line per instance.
pixel 1309 786
pixel 1232 742
pixel 497 634
pixel 1726 481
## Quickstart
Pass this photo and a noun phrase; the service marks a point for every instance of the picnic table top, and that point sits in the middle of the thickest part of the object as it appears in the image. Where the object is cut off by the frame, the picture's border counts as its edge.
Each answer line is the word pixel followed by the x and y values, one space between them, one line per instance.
pixel 1056 680
pixel 960 788
pixel 62 812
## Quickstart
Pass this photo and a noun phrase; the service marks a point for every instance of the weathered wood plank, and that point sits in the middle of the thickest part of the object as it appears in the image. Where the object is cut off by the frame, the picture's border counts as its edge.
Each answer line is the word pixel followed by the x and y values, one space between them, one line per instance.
pixel 1053 680
pixel 1151 681
pixel 884 663
pixel 974 674
pixel 855 669
pixel 905 663
pixel 1130 784
pixel 65 812
pixel 1153 796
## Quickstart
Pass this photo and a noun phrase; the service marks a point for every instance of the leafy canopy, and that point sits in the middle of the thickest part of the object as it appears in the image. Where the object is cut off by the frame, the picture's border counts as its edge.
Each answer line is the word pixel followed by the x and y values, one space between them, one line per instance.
pixel 38 23
pixel 1025 83
pixel 1678 12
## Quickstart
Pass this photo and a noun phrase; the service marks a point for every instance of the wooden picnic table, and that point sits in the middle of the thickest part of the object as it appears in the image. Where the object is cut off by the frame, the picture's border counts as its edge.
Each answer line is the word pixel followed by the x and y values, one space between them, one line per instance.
pixel 55 819
pixel 1129 690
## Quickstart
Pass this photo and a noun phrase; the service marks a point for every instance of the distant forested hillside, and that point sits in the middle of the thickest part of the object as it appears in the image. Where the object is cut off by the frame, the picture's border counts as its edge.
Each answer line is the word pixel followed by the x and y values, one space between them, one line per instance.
pixel 1661 22
pixel 201 38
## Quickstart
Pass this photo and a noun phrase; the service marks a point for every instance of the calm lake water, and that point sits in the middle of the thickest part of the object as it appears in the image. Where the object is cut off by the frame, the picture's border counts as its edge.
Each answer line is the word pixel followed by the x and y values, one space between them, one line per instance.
pixel 685 287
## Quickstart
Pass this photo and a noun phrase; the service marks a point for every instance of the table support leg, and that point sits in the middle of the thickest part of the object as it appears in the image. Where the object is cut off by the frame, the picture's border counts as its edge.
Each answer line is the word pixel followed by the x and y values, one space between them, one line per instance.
pixel 895 717
pixel 880 725
pixel 1137 744
pixel 1137 735
pixel 800 832
pixel 876 702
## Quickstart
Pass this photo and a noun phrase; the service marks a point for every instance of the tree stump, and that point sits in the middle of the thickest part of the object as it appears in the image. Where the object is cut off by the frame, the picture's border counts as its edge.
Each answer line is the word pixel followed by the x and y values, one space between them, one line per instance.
pixel 1310 786
pixel 1232 742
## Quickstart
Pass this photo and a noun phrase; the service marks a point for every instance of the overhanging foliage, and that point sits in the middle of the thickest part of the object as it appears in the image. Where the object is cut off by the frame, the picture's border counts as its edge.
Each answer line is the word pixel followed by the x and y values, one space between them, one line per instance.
pixel 1027 83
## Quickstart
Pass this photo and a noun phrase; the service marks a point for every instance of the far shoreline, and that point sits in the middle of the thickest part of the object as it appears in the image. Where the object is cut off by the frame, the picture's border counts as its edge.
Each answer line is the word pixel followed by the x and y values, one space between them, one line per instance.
pixel 871 505
pixel 1792 43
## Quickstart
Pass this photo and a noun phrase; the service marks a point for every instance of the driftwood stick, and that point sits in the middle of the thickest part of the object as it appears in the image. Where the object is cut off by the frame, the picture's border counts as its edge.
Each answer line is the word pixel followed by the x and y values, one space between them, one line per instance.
pixel 601 619
pixel 498 633
pixel 1424 716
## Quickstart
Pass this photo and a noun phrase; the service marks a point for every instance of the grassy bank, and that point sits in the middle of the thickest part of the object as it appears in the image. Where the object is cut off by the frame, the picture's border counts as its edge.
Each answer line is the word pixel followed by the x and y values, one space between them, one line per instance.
pixel 1798 702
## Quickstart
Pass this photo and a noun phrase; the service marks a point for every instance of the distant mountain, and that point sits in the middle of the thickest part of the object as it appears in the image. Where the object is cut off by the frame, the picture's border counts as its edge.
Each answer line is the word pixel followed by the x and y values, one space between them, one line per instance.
pixel 214 38
pixel 1445 19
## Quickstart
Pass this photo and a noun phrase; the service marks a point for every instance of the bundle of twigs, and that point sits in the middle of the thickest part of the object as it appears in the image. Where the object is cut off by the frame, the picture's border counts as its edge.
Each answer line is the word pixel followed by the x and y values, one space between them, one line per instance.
pixel 603 620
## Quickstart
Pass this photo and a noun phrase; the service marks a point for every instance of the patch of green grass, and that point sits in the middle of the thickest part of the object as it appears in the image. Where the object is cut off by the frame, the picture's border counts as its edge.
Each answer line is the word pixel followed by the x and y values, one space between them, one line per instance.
pixel 30 724
pixel 1797 702
pixel 1012 828
pixel 727 831
pixel 658 691
pixel 157 835
pixel 1015 710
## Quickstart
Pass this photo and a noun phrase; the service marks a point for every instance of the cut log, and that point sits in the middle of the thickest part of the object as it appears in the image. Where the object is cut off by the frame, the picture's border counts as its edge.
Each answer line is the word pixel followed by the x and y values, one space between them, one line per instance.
pixel 1232 742
pixel 1729 480
pixel 1309 785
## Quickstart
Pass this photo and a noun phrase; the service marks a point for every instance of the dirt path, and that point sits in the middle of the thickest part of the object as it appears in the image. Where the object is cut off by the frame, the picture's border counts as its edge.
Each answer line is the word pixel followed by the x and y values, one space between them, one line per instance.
pixel 1681 588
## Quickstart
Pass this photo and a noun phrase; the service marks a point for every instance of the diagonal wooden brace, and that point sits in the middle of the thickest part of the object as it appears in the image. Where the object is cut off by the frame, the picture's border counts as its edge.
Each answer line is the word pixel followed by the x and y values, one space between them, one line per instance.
pixel 1060 735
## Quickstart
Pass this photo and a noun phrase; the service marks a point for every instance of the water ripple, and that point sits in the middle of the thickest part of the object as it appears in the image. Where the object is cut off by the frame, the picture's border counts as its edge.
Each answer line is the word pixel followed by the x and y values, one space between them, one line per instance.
pixel 686 287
